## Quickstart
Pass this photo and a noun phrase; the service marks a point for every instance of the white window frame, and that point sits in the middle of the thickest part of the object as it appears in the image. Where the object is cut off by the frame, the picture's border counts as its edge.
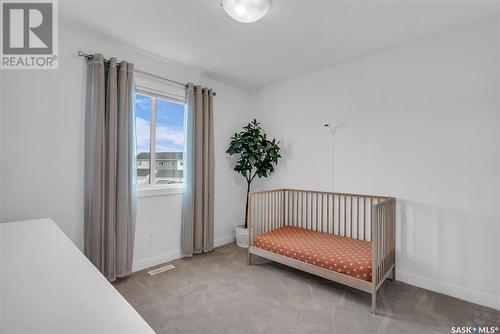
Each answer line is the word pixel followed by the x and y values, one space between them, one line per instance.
pixel 152 189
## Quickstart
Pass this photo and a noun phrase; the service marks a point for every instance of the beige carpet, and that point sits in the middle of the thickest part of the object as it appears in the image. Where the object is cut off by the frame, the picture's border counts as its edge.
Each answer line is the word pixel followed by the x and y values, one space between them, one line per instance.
pixel 219 293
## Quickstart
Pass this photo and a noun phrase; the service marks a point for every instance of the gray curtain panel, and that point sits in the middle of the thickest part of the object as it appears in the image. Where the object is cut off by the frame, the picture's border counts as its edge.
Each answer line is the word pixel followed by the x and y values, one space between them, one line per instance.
pixel 199 172
pixel 110 197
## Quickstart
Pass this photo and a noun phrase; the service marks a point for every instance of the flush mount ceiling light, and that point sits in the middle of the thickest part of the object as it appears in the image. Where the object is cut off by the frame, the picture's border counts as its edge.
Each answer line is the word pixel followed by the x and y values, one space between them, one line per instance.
pixel 246 11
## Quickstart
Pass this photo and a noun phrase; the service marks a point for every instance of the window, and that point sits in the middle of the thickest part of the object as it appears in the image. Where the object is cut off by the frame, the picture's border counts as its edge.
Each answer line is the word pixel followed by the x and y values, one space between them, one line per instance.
pixel 160 140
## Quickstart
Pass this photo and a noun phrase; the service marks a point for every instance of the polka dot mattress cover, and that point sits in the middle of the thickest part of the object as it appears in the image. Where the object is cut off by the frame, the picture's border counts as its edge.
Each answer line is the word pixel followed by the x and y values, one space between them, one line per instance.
pixel 344 255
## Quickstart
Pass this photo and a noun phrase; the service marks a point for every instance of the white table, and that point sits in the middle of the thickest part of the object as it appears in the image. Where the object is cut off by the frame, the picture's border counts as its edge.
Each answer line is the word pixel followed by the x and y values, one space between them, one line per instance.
pixel 48 286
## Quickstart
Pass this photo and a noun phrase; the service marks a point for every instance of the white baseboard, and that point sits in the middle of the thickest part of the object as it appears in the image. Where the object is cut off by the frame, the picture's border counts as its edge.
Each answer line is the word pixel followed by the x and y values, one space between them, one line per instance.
pixel 156 260
pixel 173 255
pixel 453 290
pixel 224 240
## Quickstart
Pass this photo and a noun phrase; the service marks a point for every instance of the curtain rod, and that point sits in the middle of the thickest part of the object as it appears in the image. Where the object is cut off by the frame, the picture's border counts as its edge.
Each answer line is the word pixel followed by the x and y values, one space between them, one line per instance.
pixel 89 56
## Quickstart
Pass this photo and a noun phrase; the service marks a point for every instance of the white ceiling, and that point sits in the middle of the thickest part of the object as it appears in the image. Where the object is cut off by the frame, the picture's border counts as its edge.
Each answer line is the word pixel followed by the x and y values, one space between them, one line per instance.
pixel 295 37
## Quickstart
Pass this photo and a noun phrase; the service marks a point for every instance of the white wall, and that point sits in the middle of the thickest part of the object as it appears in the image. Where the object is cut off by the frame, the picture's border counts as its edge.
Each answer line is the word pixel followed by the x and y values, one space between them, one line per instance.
pixel 419 122
pixel 43 143
pixel 1 152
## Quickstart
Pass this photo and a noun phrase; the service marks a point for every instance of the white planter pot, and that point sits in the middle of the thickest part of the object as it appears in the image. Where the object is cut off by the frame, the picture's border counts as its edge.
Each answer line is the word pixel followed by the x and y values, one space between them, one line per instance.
pixel 241 236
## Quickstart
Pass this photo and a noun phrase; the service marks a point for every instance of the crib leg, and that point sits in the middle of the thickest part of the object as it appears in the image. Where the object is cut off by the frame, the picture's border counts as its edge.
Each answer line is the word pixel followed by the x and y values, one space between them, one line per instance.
pixel 249 258
pixel 374 301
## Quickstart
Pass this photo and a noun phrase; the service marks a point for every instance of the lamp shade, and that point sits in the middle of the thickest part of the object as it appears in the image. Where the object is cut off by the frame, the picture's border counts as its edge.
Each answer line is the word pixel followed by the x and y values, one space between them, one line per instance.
pixel 246 11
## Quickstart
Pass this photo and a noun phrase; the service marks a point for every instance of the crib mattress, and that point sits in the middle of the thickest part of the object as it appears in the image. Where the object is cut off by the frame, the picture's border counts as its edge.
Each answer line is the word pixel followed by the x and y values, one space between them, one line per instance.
pixel 344 255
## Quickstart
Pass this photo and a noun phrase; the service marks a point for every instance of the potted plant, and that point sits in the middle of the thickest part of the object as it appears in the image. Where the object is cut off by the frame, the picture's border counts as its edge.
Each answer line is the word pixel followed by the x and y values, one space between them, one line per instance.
pixel 256 156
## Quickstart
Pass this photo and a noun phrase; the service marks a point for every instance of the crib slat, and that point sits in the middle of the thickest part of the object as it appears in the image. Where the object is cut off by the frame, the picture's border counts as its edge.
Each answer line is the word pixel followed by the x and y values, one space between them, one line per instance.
pixel 386 239
pixel 382 248
pixel 375 242
pixel 364 218
pixel 371 218
pixel 263 221
pixel 327 213
pixel 301 209
pixel 297 209
pixel 384 211
pixel 345 216
pixel 287 213
pixel 273 212
pixel 338 212
pixel 269 203
pixel 285 207
pixel 393 232
pixel 277 197
pixel 276 209
pixel 322 212
pixel 357 217
pixel 307 210
pixel 288 210
pixel 270 215
pixel 268 212
pixel 282 208
pixel 295 205
pixel 271 198
pixel 350 213
pixel 386 236
pixel 259 214
pixel 312 210
pixel 266 222
pixel 380 242
pixel 316 212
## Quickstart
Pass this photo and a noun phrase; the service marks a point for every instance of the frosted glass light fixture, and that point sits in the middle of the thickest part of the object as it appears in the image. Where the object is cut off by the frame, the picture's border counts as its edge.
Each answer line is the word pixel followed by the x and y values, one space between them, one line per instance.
pixel 246 11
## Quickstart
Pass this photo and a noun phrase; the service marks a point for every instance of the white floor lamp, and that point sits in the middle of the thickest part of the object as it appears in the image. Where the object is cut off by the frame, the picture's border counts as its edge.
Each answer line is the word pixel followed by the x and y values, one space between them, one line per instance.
pixel 331 130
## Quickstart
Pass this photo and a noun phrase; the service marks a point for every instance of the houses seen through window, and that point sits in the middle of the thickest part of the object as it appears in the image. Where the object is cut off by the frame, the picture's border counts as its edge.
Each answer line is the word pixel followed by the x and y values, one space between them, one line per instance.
pixel 160 140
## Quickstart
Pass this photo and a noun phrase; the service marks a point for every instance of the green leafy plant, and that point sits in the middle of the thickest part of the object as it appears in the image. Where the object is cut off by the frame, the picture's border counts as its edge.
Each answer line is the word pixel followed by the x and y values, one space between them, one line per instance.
pixel 256 155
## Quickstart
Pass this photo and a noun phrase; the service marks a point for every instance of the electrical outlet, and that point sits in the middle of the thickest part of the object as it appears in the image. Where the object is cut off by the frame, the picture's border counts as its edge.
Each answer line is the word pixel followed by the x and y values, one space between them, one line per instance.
pixel 151 236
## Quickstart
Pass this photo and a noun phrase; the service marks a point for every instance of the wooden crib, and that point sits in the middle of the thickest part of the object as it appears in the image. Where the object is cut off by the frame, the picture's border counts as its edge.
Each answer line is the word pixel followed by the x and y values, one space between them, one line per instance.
pixel 346 238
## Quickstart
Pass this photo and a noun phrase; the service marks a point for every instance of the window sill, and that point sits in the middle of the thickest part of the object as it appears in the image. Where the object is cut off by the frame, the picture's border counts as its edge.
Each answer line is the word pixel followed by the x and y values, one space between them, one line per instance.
pixel 159 191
